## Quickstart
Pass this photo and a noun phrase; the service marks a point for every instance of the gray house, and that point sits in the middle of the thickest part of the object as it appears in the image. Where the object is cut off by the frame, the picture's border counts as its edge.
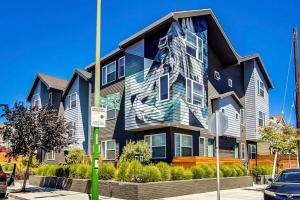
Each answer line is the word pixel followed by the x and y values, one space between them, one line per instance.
pixel 48 90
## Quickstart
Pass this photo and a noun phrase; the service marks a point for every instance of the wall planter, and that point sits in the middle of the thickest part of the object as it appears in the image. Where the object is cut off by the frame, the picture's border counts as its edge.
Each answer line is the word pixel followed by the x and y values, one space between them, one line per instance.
pixel 138 191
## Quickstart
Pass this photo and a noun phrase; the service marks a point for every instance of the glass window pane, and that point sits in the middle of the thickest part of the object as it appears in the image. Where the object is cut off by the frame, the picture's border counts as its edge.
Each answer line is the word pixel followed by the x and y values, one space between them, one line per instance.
pixel 164 87
pixel 104 80
pixel 111 68
pixel 111 114
pixel 158 152
pixel 158 140
pixel 191 50
pixel 191 38
pixel 177 145
pixel 121 67
pixel 189 91
pixel 147 140
pixel 198 88
pixel 103 149
pixel 200 47
pixel 186 151
pixel 110 154
pixel 111 77
pixel 111 145
pixel 186 140
pixel 197 100
pixel 201 146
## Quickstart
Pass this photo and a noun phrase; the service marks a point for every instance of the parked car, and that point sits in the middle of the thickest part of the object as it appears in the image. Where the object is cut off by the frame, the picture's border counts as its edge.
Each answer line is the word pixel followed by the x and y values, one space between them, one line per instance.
pixel 3 183
pixel 286 186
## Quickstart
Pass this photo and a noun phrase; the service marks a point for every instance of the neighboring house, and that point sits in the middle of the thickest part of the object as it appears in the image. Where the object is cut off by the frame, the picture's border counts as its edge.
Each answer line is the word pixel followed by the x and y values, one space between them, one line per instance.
pixel 2 142
pixel 163 84
pixel 48 90
pixel 77 101
pixel 277 121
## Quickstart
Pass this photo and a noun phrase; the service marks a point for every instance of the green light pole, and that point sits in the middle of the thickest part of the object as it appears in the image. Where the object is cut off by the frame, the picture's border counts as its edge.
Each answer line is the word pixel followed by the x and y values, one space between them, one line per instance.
pixel 96 134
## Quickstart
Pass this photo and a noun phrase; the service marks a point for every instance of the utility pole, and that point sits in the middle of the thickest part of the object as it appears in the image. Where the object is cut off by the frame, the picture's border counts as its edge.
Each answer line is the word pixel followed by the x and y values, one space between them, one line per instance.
pixel 297 87
pixel 96 134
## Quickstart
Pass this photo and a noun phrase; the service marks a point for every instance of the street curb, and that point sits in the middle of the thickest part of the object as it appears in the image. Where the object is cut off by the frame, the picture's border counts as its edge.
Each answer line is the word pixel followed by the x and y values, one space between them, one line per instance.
pixel 16 197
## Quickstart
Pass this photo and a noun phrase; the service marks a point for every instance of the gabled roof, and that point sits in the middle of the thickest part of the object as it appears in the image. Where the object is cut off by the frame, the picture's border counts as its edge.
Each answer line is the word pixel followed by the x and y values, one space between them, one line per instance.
pixel 50 82
pixel 77 72
pixel 227 94
pixel 217 37
pixel 261 65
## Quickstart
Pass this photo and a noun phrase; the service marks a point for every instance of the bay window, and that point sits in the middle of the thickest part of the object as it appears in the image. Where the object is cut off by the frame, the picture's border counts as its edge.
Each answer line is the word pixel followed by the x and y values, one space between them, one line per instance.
pixel 157 145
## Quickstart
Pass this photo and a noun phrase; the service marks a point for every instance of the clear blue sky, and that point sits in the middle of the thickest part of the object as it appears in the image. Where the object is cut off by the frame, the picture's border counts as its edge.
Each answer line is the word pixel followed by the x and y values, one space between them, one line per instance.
pixel 56 36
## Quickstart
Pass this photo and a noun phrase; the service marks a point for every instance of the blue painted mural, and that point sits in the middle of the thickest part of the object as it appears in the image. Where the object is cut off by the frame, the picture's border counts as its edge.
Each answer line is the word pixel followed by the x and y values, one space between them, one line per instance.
pixel 172 87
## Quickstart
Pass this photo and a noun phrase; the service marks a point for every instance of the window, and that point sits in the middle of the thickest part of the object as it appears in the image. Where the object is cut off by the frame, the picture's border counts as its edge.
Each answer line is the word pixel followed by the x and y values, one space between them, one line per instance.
pixel 237 116
pixel 230 82
pixel 261 88
pixel 72 128
pixel 242 116
pixel 72 101
pixel 252 151
pixel 164 87
pixel 157 144
pixel 223 110
pixel 109 73
pixel 194 45
pixel 108 150
pixel 217 75
pixel 243 151
pixel 201 146
pixel 110 113
pixel 50 99
pixel 162 42
pixel 51 155
pixel 121 67
pixel 194 92
pixel 261 119
pixel 210 147
pixel 36 101
pixel 183 145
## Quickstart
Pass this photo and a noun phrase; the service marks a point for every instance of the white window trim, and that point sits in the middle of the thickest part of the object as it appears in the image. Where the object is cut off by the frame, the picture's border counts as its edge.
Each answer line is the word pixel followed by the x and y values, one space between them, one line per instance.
pixel 106 149
pixel 180 135
pixel 150 146
pixel 250 150
pixel 53 155
pixel 106 73
pixel 217 75
pixel 36 97
pixel 119 67
pixel 263 119
pixel 243 157
pixel 159 97
pixel 192 91
pixel 69 100
pixel 197 46
pixel 259 88
pixel 50 98
pixel 230 82
pixel 204 145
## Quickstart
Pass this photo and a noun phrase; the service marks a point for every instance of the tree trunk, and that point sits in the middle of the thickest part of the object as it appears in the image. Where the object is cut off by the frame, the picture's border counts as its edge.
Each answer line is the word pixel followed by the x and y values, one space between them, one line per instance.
pixel 26 173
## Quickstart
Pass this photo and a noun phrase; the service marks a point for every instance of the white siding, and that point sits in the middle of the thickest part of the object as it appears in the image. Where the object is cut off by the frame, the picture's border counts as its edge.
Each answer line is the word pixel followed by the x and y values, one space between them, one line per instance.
pixel 37 93
pixel 75 114
pixel 253 101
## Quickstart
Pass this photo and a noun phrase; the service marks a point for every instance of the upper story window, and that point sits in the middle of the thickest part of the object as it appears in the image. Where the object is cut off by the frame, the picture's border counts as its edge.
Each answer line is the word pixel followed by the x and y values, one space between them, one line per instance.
pixel 164 87
pixel 50 99
pixel 162 42
pixel 109 73
pixel 261 119
pixel 110 113
pixel 157 145
pixel 217 75
pixel 242 111
pixel 230 82
pixel 237 116
pixel 72 128
pixel 261 88
pixel 36 102
pixel 72 103
pixel 108 149
pixel 121 67
pixel 194 45
pixel 194 92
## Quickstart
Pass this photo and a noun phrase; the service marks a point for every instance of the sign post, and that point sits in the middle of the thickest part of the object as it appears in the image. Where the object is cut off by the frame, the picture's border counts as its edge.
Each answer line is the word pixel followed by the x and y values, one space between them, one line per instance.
pixel 218 155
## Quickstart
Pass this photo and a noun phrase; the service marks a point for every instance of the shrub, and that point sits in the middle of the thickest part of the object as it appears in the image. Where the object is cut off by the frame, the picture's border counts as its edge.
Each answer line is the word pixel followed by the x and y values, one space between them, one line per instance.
pixel 239 171
pixel 151 174
pixel 8 167
pixel 73 169
pixel 227 170
pixel 106 171
pixel 134 172
pixel 262 170
pixel 133 149
pixel 81 171
pixel 244 169
pixel 121 172
pixel 209 171
pixel 198 172
pixel 34 162
pixel 187 174
pixel 62 171
pixel 165 170
pixel 88 174
pixel 75 156
pixel 177 173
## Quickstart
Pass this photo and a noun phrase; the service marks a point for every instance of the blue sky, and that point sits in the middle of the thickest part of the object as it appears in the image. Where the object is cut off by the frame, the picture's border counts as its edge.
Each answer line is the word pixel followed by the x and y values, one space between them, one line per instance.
pixel 56 36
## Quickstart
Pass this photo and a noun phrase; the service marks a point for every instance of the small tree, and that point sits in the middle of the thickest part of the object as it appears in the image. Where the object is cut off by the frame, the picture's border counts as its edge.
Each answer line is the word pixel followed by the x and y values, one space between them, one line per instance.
pixel 31 129
pixel 134 149
pixel 75 155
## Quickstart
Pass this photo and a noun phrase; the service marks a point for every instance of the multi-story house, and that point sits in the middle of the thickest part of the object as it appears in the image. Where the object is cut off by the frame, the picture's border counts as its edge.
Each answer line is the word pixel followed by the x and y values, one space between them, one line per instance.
pixel 169 78
pixel 48 90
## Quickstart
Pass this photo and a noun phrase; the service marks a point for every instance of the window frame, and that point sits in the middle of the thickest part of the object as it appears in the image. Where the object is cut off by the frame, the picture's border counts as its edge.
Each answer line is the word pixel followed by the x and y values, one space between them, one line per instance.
pixel 196 46
pixel 160 46
pixel 52 155
pixel 242 116
pixel 50 98
pixel 123 57
pixel 180 144
pixel 159 88
pixel 114 63
pixel 243 151
pixel 261 88
pixel 36 98
pixel 115 116
pixel 204 146
pixel 230 82
pixel 151 144
pixel 70 101
pixel 104 156
pixel 73 128
pixel 192 92
pixel 263 119
pixel 251 152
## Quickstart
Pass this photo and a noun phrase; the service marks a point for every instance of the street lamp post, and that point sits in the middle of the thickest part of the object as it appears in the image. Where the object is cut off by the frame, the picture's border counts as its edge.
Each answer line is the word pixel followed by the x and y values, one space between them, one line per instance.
pixel 96 133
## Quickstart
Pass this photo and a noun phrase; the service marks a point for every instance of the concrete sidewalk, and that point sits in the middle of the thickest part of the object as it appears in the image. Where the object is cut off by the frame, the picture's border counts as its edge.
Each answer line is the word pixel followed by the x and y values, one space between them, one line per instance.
pixel 35 192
